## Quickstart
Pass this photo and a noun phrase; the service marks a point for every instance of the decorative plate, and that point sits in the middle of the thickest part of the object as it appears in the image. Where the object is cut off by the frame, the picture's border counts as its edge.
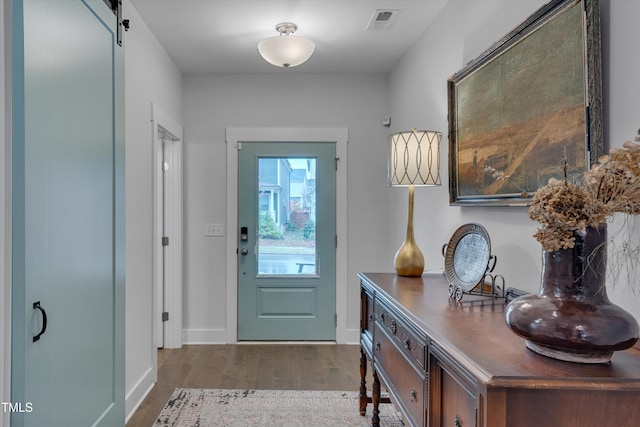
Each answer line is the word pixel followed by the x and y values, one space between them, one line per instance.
pixel 467 257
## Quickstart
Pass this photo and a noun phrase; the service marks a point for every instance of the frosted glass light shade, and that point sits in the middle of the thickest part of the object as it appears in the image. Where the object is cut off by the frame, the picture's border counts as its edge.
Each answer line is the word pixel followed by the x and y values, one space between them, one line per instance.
pixel 414 158
pixel 286 50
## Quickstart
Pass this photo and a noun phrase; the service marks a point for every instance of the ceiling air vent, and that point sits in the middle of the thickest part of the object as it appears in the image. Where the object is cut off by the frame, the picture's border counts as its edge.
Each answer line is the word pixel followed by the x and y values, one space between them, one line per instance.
pixel 382 19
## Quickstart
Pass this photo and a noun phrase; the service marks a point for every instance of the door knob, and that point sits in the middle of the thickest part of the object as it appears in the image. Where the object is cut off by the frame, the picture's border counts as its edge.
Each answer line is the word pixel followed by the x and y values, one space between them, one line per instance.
pixel 244 251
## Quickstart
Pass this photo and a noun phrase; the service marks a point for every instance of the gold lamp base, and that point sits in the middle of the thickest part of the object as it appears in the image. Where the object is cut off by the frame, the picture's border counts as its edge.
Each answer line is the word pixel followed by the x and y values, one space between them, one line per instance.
pixel 409 260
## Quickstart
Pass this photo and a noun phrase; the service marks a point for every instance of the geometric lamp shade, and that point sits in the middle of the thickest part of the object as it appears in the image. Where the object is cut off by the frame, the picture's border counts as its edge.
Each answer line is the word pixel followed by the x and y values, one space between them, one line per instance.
pixel 414 158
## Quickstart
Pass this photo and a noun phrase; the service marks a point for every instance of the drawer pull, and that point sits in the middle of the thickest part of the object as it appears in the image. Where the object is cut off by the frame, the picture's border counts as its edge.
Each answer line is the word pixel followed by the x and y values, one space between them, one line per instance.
pixel 457 422
pixel 378 346
pixel 394 327
pixel 407 345
pixel 413 395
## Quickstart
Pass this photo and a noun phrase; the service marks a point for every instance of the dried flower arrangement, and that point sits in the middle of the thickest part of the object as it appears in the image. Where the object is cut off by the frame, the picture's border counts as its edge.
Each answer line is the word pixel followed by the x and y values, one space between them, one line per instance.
pixel 611 186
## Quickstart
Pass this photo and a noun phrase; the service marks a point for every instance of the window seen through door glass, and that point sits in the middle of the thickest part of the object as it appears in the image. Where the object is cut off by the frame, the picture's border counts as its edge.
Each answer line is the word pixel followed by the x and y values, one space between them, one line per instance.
pixel 287 216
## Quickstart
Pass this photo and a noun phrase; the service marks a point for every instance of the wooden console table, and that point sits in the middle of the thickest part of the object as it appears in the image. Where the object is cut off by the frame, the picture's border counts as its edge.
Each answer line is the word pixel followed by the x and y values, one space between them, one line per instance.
pixel 457 364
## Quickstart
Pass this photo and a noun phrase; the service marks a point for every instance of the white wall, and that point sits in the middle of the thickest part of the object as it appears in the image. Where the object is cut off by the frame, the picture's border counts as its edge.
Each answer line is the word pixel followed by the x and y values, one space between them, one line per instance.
pixel 419 99
pixel 621 90
pixel 150 77
pixel 214 102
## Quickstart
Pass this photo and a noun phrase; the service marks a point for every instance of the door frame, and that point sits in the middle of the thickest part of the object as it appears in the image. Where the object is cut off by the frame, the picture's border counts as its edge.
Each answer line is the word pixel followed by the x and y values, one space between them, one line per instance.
pixel 173 260
pixel 234 136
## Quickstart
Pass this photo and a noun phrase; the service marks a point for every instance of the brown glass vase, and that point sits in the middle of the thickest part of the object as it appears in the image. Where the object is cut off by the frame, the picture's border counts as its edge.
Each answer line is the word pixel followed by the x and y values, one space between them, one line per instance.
pixel 571 318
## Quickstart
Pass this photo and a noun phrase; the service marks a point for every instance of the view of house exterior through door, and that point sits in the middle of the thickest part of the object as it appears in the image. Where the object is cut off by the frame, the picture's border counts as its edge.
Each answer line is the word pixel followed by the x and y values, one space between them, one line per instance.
pixel 286 241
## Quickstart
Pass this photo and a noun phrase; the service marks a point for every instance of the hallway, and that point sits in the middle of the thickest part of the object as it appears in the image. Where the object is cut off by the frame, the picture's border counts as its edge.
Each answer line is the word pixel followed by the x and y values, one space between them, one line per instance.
pixel 248 366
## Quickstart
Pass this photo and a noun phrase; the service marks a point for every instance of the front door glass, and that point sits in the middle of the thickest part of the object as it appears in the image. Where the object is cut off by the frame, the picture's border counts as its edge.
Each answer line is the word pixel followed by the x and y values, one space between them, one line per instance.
pixel 287 216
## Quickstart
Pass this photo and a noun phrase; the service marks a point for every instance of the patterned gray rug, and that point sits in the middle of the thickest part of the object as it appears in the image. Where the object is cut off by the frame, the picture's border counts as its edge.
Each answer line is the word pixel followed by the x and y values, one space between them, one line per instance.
pixel 282 408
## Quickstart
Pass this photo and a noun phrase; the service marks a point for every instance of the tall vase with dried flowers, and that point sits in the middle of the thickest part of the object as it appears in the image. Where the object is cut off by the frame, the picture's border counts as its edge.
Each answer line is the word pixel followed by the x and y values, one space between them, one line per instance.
pixel 571 318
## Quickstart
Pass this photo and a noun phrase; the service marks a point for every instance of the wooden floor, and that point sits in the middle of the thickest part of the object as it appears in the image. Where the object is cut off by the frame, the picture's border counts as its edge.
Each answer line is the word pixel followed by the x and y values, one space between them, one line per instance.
pixel 245 366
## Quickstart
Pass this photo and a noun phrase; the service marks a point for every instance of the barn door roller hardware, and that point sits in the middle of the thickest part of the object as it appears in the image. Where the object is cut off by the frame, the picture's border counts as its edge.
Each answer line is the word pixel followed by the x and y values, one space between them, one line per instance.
pixel 116 7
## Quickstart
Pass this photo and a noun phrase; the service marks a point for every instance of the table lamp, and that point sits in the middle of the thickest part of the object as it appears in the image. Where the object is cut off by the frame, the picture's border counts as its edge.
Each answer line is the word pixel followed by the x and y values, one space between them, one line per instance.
pixel 414 160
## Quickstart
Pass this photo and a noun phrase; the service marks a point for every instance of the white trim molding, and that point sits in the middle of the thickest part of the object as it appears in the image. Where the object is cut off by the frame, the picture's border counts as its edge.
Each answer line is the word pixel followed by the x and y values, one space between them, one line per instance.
pixel 168 133
pixel 204 336
pixel 139 392
pixel 339 136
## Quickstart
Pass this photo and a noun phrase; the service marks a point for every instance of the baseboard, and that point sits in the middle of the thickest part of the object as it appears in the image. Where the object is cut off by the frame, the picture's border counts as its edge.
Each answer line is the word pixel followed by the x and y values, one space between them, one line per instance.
pixel 138 393
pixel 352 336
pixel 219 336
pixel 204 336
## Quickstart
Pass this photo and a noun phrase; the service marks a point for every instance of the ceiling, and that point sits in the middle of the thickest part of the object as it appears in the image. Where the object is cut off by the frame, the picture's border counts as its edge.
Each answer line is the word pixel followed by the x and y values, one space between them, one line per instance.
pixel 220 36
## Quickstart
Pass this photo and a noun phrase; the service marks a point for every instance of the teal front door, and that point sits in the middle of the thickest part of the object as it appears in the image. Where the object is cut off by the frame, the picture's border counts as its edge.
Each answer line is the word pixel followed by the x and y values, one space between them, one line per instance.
pixel 286 241
pixel 67 215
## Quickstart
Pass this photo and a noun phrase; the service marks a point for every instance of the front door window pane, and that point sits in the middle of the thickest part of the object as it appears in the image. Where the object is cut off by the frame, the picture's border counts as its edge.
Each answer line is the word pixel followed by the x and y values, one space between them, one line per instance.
pixel 287 216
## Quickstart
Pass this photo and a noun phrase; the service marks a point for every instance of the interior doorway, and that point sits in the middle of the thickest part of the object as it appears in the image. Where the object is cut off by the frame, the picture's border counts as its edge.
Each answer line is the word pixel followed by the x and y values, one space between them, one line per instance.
pixel 167 155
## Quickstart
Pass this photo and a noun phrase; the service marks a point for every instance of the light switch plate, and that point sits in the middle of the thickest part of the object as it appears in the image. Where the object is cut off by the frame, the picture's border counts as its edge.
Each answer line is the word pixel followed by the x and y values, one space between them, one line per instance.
pixel 213 230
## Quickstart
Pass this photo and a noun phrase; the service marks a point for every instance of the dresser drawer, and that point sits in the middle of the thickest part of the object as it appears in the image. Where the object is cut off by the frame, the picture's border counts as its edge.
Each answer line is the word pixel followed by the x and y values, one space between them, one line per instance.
pixel 407 340
pixel 406 384
pixel 458 404
pixel 453 396
pixel 366 311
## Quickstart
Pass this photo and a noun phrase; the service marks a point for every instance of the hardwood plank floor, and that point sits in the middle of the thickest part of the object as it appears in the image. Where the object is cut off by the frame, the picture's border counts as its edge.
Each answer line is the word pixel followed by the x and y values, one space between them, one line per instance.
pixel 249 366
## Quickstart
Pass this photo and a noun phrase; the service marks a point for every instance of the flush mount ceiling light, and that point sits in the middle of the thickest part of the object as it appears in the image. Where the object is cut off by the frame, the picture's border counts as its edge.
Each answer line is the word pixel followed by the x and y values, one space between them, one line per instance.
pixel 286 50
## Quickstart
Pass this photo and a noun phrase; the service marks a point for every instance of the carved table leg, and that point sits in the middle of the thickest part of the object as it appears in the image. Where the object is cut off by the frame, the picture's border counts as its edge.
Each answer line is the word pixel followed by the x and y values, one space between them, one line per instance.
pixel 375 399
pixel 363 383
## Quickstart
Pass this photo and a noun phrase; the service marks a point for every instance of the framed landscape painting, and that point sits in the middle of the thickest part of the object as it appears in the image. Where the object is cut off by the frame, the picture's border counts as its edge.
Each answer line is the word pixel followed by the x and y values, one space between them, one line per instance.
pixel 528 109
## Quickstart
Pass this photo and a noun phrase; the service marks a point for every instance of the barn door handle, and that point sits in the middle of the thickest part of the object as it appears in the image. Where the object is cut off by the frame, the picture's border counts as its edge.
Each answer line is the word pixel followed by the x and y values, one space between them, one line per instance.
pixel 37 306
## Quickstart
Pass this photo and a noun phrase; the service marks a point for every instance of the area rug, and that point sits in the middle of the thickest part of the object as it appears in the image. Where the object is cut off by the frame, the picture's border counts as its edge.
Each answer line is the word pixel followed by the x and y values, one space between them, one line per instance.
pixel 282 408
